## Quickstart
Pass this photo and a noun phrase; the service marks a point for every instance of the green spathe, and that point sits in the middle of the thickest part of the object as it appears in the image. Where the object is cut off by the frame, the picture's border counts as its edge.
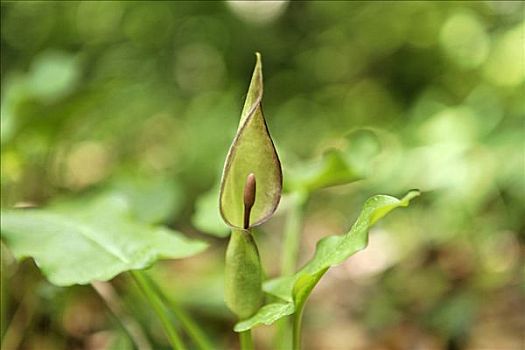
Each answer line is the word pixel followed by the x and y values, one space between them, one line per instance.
pixel 250 191
pixel 252 151
pixel 243 275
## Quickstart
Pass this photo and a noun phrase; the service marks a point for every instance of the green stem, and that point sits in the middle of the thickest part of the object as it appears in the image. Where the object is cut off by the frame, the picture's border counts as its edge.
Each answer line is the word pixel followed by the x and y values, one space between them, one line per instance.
pixel 300 301
pixel 297 327
pixel 246 340
pixel 292 233
pixel 189 325
pixel 19 326
pixel 159 308
pixel 3 295
pixel 132 328
pixel 282 335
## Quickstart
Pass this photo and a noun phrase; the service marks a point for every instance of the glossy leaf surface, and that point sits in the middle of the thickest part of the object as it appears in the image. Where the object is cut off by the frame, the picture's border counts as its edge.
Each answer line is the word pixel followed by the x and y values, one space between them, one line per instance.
pixel 252 151
pixel 266 315
pixel 92 243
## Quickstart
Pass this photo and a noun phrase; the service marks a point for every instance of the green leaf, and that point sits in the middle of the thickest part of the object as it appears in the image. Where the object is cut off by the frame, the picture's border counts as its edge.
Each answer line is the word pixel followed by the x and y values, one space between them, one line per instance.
pixel 330 251
pixel 270 313
pixel 73 246
pixel 333 250
pixel 332 170
pixel 303 286
pixel 252 151
pixel 267 315
pixel 206 217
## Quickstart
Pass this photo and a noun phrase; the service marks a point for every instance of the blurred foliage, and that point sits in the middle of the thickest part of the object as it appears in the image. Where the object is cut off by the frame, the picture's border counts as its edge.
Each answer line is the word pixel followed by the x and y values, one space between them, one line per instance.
pixel 143 98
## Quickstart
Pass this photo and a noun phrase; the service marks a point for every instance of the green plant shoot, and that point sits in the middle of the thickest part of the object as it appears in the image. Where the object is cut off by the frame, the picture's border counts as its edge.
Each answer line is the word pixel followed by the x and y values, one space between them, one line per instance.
pixel 252 152
pixel 251 188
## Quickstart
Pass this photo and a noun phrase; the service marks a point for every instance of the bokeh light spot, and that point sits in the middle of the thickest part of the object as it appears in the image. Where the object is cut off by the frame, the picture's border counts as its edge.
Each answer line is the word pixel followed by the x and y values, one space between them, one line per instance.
pixel 87 163
pixel 258 12
pixel 464 40
pixel 506 64
pixel 199 67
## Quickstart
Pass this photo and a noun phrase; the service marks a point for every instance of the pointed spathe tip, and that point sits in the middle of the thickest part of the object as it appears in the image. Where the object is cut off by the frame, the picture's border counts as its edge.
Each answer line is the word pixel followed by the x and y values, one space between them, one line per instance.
pixel 258 60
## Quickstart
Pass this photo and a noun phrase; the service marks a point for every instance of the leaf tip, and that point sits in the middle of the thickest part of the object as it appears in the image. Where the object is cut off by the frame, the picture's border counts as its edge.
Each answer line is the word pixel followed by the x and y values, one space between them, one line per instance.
pixel 411 195
pixel 240 328
pixel 258 67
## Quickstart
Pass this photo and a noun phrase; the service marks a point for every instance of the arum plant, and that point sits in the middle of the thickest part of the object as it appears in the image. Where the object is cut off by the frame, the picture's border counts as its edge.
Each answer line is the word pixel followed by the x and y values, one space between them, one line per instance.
pixel 250 192
pixel 293 291
pixel 95 241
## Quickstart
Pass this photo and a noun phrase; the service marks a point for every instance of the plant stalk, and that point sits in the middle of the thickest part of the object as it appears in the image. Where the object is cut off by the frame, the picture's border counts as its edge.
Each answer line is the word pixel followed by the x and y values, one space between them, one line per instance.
pixel 300 301
pixel 246 340
pixel 188 324
pixel 292 235
pixel 297 329
pixel 20 322
pixel 3 294
pixel 158 306
pixel 110 297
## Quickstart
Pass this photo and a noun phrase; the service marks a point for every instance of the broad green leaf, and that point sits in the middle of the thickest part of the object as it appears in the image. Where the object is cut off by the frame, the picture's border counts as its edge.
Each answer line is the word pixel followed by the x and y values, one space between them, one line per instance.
pixel 206 217
pixel 252 151
pixel 332 170
pixel 92 244
pixel 330 251
pixel 267 315
pixel 333 250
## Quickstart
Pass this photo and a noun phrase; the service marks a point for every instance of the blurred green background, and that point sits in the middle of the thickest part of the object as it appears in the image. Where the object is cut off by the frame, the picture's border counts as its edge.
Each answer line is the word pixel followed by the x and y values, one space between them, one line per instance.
pixel 143 98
